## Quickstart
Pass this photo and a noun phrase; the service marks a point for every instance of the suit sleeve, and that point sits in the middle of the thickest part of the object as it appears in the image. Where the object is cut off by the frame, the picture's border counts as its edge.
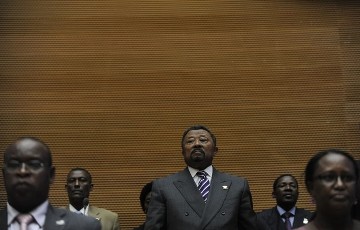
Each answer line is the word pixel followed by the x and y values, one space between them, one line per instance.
pixel 116 225
pixel 247 216
pixel 156 215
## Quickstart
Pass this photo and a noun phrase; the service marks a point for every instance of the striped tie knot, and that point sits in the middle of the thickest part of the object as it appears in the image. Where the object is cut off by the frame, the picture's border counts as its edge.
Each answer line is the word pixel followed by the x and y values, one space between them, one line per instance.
pixel 24 220
pixel 204 184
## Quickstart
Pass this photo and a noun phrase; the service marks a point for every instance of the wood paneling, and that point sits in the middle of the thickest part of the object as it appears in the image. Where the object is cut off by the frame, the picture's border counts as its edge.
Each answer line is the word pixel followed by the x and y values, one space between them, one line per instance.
pixel 111 85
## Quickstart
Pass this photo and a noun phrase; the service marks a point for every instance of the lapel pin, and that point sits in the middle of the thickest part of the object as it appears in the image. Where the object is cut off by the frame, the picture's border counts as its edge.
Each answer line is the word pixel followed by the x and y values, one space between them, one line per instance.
pixel 305 221
pixel 225 187
pixel 60 222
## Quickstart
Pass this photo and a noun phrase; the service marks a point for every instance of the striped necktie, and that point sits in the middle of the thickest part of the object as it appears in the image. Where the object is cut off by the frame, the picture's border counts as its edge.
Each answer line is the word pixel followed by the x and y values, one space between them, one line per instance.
pixel 204 184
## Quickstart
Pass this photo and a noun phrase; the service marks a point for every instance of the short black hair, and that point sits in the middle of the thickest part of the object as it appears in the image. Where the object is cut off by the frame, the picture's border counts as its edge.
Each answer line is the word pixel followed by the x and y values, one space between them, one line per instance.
pixel 144 192
pixel 197 127
pixel 313 162
pixel 281 176
pixel 81 169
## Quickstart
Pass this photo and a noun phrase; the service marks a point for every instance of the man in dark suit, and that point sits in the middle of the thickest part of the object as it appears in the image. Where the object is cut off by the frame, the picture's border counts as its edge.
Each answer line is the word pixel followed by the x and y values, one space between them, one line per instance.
pixel 222 202
pixel 78 186
pixel 28 173
pixel 285 191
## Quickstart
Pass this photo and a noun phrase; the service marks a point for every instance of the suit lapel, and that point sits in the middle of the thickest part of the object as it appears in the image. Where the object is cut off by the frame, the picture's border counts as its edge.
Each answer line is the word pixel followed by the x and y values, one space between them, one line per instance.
pixel 299 218
pixel 274 219
pixel 94 212
pixel 219 188
pixel 186 186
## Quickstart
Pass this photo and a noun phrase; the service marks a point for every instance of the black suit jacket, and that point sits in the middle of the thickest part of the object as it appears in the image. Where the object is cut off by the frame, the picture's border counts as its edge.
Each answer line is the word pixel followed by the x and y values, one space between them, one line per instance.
pixel 60 219
pixel 176 204
pixel 273 220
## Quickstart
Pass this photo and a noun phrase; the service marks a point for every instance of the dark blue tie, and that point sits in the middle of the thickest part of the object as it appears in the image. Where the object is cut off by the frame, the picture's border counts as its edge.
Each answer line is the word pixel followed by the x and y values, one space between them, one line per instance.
pixel 204 184
pixel 287 216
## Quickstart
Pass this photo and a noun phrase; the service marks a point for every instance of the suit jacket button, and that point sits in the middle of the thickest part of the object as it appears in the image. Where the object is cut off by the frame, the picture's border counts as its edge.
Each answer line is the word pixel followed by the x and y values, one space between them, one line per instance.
pixel 223 213
pixel 186 213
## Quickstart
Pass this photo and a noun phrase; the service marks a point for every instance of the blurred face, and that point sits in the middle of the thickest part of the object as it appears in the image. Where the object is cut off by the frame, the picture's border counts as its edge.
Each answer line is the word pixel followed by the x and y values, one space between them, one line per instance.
pixel 147 202
pixel 27 174
pixel 198 149
pixel 286 192
pixel 333 188
pixel 78 186
pixel 358 183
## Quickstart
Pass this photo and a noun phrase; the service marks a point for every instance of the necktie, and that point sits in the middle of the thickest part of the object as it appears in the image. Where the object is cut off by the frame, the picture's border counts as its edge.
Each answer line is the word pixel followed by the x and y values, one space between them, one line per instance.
pixel 204 184
pixel 287 216
pixel 24 220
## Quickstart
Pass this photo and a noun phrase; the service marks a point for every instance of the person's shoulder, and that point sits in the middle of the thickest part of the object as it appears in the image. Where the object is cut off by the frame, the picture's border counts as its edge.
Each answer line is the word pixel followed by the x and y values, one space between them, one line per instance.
pixel 74 219
pixel 303 211
pixel 104 211
pixel 170 177
pixel 229 176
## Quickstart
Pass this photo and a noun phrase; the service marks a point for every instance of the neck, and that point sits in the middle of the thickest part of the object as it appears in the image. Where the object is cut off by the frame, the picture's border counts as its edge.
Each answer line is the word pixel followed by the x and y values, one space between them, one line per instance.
pixel 287 207
pixel 78 205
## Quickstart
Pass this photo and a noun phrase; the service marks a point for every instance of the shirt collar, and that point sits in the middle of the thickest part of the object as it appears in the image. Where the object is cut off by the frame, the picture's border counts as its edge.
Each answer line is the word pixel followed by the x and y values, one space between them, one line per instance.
pixel 282 211
pixel 81 211
pixel 39 213
pixel 209 170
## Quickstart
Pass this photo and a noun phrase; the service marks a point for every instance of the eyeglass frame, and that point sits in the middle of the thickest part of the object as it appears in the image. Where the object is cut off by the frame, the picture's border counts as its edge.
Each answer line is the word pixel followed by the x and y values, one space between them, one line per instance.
pixel 333 178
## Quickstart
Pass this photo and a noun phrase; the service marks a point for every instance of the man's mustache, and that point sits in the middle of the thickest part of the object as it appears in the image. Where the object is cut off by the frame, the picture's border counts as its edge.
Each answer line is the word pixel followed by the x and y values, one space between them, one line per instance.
pixel 198 150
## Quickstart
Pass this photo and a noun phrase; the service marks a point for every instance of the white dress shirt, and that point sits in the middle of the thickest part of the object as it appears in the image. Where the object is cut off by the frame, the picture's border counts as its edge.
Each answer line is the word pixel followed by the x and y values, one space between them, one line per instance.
pixel 208 170
pixel 39 215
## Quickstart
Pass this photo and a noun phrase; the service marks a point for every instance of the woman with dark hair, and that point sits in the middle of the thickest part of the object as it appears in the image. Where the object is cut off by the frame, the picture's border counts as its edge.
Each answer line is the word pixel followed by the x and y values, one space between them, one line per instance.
pixel 356 208
pixel 331 178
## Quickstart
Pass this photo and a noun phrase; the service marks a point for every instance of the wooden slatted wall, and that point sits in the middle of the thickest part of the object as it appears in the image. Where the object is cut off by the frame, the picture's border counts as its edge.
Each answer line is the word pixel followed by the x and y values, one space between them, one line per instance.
pixel 111 85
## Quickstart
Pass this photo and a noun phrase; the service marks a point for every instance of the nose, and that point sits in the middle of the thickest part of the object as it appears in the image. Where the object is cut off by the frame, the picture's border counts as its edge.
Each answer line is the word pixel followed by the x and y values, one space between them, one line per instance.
pixel 23 167
pixel 77 184
pixel 339 183
pixel 23 170
pixel 288 187
pixel 197 142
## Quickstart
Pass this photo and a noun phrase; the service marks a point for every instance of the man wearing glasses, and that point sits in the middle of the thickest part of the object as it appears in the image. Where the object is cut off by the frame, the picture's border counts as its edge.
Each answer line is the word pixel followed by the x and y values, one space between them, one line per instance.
pixel 28 173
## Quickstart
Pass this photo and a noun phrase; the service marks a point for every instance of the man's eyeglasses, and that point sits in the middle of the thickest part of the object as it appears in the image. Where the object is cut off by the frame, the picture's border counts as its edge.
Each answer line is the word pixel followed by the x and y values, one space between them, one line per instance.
pixel 32 165
pixel 332 178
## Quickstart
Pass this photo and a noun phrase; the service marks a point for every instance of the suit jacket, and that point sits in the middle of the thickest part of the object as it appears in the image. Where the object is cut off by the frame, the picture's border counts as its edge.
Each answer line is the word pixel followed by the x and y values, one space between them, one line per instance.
pixel 60 219
pixel 109 220
pixel 176 204
pixel 273 219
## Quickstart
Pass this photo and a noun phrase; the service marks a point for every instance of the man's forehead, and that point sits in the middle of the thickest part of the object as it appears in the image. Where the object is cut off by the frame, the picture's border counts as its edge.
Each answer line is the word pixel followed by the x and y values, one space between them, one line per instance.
pixel 286 179
pixel 27 144
pixel 78 174
pixel 197 132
